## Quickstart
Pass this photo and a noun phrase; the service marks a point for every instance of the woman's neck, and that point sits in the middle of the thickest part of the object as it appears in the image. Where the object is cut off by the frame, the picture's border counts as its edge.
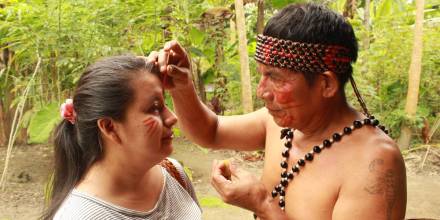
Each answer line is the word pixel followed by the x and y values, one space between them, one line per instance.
pixel 117 176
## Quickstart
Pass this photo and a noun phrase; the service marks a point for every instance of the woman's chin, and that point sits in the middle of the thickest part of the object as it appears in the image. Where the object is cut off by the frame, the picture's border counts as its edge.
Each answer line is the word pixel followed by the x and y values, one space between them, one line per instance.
pixel 167 146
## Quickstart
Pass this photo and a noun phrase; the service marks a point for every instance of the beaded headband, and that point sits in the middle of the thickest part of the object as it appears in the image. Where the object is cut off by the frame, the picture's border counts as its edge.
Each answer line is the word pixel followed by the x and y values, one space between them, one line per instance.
pixel 306 58
pixel 302 57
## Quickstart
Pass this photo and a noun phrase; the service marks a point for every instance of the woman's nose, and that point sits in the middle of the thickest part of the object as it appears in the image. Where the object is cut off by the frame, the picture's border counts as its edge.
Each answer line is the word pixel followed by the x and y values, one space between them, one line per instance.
pixel 169 119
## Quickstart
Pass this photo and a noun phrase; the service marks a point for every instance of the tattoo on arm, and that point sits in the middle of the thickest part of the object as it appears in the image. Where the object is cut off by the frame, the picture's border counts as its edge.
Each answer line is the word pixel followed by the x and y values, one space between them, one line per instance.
pixel 383 184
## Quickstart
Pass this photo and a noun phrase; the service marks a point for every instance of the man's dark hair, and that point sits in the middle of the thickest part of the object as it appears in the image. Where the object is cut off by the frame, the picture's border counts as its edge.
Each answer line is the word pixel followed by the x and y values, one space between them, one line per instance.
pixel 311 23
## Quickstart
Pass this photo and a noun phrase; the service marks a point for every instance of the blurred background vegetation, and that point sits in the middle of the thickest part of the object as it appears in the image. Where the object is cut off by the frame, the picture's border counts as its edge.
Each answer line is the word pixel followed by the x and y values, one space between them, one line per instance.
pixel 46 44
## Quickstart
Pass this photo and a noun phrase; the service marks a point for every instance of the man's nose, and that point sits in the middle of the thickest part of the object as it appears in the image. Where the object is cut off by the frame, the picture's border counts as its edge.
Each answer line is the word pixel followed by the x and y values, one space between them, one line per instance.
pixel 263 90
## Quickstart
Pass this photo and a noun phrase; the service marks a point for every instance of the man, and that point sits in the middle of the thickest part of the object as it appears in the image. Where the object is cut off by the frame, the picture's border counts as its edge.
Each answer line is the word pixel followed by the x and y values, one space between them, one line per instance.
pixel 332 162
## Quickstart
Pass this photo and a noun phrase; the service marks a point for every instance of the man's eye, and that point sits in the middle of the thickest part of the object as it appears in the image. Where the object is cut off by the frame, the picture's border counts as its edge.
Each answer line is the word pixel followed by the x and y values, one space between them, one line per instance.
pixel 274 77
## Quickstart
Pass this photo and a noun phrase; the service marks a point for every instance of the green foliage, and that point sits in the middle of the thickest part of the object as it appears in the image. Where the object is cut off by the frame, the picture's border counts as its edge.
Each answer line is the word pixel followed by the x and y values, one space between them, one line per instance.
pixel 177 132
pixel 188 172
pixel 212 202
pixel 69 35
pixel 43 122
pixel 48 189
pixel 278 4
pixel 381 72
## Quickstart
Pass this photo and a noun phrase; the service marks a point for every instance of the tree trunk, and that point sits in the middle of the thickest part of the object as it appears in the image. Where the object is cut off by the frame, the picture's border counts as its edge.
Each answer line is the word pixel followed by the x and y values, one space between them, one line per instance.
pixel 415 69
pixel 233 29
pixel 198 81
pixel 366 22
pixel 3 134
pixel 260 17
pixel 166 21
pixel 6 97
pixel 246 90
pixel 366 38
pixel 349 9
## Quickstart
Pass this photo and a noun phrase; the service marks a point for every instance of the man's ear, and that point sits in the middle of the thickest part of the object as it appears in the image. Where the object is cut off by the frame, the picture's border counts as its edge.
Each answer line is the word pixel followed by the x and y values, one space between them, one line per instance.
pixel 108 131
pixel 329 84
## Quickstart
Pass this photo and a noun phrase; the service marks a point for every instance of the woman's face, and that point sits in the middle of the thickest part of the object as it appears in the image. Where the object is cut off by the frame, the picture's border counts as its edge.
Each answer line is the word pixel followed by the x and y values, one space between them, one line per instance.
pixel 146 129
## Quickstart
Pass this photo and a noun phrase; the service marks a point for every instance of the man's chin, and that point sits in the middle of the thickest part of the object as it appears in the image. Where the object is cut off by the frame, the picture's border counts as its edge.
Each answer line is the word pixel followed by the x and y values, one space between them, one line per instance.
pixel 284 122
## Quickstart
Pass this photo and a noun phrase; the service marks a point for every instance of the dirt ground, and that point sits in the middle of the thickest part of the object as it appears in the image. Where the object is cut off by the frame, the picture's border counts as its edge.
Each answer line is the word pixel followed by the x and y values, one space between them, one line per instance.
pixel 23 197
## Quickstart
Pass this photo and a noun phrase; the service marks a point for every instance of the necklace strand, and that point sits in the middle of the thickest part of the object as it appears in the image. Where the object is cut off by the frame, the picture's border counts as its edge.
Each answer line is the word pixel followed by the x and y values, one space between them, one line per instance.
pixel 287 134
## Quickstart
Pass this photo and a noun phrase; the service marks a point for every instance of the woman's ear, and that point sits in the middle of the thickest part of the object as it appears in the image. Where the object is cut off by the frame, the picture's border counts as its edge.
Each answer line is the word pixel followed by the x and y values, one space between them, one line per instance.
pixel 108 131
pixel 329 84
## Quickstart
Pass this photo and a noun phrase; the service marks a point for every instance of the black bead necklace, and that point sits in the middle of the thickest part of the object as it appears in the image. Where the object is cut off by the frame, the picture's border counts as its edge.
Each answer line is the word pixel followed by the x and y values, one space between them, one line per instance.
pixel 287 134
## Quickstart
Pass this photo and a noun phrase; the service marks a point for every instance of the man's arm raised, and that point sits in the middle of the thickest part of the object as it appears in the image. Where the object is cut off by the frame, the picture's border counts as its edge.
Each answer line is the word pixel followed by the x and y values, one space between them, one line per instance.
pixel 198 122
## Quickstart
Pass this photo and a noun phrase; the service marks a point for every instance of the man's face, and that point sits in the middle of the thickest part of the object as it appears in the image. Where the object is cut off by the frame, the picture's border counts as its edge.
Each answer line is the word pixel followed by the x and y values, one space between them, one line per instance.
pixel 287 95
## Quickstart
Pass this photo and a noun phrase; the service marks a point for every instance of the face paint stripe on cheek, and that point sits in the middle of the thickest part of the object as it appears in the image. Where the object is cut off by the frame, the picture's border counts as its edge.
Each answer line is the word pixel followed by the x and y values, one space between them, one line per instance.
pixel 151 124
pixel 283 97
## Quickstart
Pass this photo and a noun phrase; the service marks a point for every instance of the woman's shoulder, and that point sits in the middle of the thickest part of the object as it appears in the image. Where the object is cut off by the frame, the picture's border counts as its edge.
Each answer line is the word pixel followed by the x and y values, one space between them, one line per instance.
pixel 76 206
pixel 181 177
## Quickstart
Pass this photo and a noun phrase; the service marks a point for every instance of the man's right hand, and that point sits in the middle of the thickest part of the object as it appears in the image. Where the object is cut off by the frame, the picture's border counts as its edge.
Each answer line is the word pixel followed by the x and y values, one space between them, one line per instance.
pixel 174 65
pixel 244 190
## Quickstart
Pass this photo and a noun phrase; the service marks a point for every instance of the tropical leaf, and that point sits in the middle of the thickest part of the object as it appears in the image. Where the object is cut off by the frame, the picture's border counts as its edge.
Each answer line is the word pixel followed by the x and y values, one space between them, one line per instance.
pixel 281 3
pixel 196 36
pixel 384 8
pixel 42 123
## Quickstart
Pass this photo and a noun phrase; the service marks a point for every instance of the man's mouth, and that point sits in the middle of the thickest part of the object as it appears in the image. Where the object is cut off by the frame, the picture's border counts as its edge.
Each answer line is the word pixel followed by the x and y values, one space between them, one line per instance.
pixel 273 109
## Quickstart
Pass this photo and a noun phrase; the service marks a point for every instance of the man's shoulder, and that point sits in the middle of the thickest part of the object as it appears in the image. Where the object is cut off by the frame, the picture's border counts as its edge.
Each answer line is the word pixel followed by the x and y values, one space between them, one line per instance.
pixel 374 153
pixel 374 176
pixel 374 143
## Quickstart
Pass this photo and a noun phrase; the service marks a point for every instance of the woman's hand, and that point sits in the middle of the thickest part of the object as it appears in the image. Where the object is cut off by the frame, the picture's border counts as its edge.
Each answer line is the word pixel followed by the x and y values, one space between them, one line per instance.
pixel 174 66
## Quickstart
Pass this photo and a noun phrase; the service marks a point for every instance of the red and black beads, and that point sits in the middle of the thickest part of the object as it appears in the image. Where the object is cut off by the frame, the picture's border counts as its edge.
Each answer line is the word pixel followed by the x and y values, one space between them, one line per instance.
pixel 302 57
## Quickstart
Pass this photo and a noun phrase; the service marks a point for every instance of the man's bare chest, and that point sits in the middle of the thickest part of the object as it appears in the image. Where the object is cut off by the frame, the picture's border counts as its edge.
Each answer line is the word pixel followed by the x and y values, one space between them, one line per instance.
pixel 313 189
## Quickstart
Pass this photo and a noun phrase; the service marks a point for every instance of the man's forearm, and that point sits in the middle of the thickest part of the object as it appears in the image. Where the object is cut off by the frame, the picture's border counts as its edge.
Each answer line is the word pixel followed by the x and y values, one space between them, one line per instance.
pixel 271 211
pixel 195 119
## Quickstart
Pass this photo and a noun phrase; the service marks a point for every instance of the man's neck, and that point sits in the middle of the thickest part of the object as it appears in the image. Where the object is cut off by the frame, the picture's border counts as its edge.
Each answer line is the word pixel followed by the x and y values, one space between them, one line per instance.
pixel 331 119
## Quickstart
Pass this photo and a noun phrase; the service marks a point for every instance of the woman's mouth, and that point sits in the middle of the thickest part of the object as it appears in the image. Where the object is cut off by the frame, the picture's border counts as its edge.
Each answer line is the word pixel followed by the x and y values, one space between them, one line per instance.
pixel 168 135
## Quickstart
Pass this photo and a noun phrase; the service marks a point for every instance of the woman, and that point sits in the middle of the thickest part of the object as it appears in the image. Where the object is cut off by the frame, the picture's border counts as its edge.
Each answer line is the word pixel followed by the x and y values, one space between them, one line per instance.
pixel 108 149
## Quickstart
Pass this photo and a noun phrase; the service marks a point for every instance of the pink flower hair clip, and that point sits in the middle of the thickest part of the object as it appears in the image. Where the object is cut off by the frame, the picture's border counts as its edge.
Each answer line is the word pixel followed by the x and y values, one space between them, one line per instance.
pixel 67 111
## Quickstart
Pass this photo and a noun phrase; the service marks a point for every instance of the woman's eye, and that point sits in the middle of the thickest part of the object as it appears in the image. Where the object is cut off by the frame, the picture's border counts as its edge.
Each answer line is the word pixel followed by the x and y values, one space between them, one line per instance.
pixel 156 108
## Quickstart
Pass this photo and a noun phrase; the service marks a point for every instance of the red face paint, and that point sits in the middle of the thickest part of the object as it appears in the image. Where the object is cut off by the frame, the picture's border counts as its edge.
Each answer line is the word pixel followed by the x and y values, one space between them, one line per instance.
pixel 283 95
pixel 151 124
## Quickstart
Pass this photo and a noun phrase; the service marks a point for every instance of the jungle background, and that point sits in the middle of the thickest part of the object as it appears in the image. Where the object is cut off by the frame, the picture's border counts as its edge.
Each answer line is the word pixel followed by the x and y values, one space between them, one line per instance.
pixel 46 44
